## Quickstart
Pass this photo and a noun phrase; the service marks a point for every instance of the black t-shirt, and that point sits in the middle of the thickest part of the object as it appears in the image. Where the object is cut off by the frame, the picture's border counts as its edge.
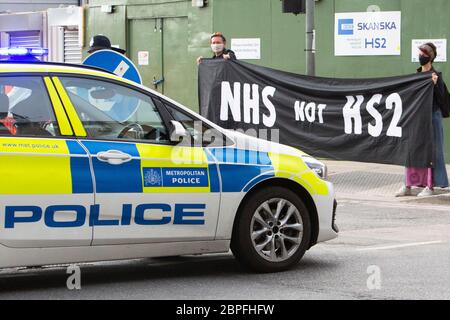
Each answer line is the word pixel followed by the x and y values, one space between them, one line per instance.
pixel 439 90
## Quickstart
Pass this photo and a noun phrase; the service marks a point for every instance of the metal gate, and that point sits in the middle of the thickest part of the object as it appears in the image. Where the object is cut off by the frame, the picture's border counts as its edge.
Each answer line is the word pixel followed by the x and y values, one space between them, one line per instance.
pixel 165 42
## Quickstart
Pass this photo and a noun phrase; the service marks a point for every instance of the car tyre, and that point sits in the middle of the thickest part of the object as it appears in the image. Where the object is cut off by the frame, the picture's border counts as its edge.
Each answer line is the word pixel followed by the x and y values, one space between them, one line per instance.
pixel 272 231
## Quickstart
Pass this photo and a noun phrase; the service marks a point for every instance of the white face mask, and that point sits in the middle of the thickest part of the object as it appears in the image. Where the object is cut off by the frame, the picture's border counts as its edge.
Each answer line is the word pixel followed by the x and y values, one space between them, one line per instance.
pixel 216 48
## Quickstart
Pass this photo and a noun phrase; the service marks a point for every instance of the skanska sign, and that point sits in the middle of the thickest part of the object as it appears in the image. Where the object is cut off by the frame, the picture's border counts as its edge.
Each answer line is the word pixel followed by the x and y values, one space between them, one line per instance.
pixel 367 33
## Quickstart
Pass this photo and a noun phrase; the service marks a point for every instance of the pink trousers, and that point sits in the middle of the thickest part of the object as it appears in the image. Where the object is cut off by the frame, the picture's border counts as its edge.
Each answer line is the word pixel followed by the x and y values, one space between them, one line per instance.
pixel 419 177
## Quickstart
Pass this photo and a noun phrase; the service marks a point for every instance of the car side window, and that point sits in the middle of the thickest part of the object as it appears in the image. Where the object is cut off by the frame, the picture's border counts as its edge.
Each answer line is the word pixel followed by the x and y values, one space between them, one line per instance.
pixel 115 112
pixel 25 108
pixel 201 133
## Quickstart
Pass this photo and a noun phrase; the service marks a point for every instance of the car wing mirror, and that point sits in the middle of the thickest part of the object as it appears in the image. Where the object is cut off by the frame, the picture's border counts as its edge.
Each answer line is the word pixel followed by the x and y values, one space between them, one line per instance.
pixel 177 132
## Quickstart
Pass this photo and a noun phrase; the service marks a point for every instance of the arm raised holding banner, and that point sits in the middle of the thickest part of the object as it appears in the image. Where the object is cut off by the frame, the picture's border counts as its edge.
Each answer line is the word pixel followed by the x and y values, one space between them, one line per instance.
pixel 218 46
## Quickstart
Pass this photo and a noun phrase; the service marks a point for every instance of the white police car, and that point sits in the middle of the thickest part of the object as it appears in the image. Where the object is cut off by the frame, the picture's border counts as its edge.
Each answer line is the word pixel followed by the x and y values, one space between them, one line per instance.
pixel 94 167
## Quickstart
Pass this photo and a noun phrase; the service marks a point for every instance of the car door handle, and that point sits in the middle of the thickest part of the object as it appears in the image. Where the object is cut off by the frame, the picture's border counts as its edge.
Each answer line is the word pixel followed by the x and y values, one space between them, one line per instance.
pixel 114 157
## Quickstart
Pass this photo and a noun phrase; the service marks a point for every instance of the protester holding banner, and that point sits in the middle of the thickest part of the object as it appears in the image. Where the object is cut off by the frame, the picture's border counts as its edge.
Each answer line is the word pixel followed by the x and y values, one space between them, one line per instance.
pixel 383 120
pixel 436 176
pixel 218 46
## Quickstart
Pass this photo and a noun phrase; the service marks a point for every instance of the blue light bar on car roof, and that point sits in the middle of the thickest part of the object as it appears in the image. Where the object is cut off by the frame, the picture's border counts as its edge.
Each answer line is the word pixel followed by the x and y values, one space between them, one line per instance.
pixel 22 52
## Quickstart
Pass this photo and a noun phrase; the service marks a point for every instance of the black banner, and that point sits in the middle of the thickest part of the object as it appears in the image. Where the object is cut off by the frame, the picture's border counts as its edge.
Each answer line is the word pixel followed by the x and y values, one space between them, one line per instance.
pixel 382 120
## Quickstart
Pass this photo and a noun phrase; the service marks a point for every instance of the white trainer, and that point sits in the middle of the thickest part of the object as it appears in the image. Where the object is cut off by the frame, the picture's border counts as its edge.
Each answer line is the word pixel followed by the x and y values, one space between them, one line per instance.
pixel 426 192
pixel 403 192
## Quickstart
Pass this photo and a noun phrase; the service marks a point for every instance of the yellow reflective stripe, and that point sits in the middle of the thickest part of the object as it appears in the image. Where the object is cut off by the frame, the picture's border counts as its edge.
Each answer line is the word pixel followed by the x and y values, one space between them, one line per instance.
pixel 59 69
pixel 293 167
pixel 37 174
pixel 71 112
pixel 33 146
pixel 34 166
pixel 61 117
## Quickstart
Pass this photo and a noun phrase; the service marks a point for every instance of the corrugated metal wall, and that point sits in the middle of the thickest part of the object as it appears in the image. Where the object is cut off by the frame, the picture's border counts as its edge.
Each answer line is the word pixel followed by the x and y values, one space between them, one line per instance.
pixel 27 39
pixel 72 50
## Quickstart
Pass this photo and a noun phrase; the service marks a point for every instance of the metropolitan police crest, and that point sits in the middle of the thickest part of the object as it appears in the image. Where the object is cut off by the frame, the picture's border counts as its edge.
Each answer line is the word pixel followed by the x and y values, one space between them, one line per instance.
pixel 152 177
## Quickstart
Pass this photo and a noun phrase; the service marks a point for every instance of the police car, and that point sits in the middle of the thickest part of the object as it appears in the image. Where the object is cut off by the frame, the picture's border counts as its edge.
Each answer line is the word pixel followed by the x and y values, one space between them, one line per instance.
pixel 94 167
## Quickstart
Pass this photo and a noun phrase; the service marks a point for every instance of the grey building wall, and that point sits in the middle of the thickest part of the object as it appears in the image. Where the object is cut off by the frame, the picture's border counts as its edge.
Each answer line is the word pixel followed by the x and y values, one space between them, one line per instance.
pixel 34 5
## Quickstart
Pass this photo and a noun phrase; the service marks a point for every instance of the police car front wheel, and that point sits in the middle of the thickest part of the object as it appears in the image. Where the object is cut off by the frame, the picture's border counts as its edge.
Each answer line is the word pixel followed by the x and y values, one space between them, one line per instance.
pixel 272 231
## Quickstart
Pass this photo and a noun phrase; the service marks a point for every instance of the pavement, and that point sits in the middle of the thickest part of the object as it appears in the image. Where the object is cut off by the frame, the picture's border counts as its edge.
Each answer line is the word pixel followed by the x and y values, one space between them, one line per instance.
pixel 388 248
pixel 377 182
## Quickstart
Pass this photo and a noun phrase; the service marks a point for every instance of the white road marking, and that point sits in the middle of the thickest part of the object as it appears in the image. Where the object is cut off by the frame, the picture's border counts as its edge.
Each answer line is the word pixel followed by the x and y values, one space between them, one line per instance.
pixel 414 244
